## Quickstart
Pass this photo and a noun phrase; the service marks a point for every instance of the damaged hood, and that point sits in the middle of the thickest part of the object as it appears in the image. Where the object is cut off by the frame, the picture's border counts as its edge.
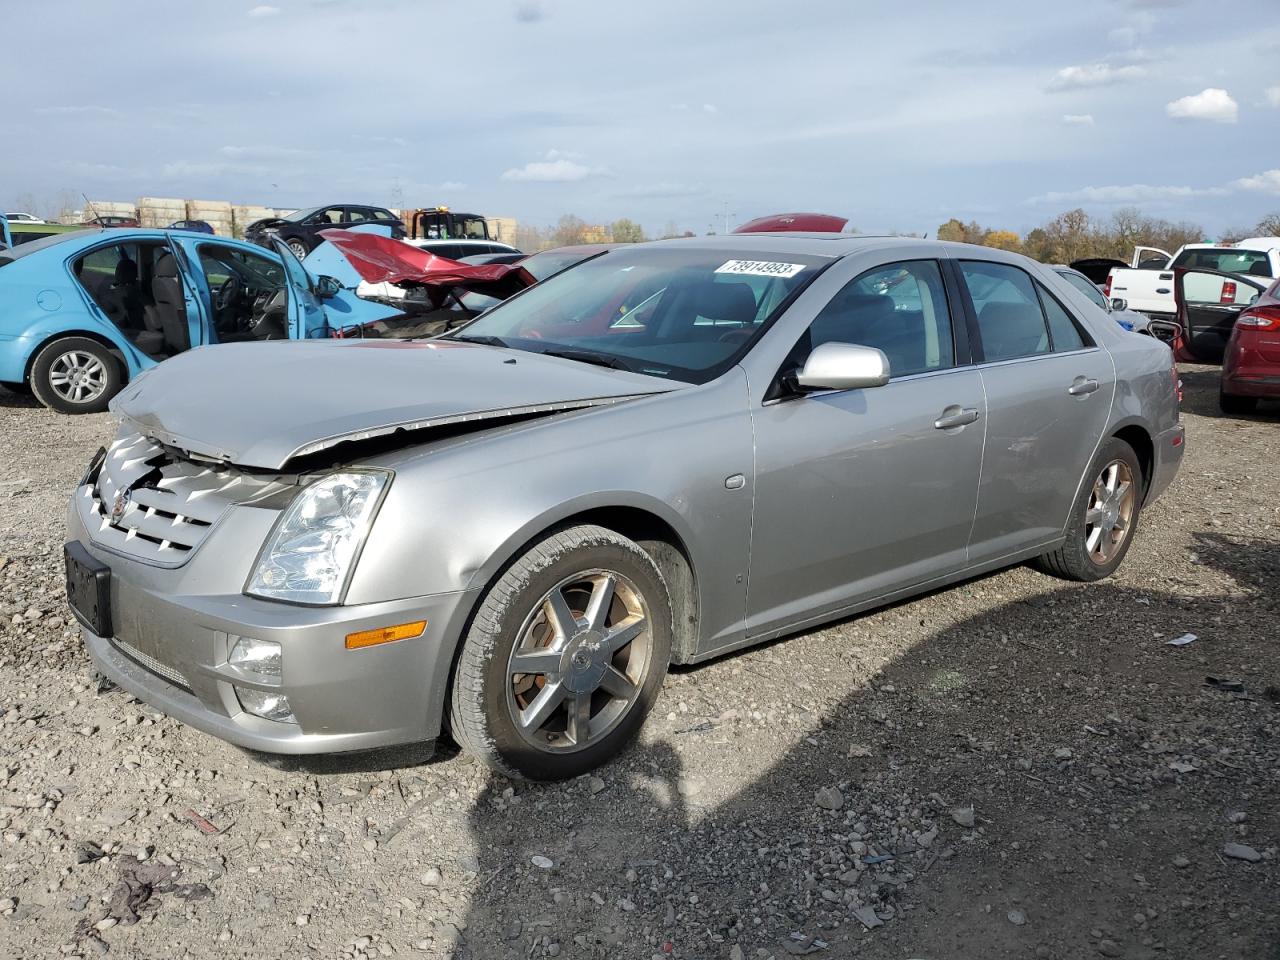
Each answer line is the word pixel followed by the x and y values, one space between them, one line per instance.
pixel 384 260
pixel 261 405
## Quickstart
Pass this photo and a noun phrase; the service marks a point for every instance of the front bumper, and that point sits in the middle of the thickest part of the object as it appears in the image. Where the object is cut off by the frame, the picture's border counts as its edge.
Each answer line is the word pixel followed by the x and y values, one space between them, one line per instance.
pixel 172 641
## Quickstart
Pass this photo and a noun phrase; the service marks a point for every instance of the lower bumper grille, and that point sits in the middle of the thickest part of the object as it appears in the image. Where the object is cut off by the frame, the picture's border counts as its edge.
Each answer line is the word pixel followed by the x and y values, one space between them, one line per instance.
pixel 152 665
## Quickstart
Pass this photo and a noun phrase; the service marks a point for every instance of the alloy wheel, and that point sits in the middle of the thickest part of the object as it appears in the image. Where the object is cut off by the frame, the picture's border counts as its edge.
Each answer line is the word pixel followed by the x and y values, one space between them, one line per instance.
pixel 579 661
pixel 1109 515
pixel 78 376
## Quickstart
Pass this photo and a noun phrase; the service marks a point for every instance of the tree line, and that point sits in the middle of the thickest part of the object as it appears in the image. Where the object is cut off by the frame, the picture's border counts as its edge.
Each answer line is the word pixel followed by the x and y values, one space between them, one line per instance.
pixel 1074 235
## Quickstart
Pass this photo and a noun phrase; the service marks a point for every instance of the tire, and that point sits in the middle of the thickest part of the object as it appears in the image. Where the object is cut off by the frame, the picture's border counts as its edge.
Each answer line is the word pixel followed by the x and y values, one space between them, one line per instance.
pixel 1233 404
pixel 298 246
pixel 75 375
pixel 1083 557
pixel 488 695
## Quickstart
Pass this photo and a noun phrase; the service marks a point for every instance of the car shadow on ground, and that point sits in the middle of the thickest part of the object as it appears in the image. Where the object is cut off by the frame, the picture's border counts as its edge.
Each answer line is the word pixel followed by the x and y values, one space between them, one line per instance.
pixel 20 398
pixel 1200 386
pixel 1100 766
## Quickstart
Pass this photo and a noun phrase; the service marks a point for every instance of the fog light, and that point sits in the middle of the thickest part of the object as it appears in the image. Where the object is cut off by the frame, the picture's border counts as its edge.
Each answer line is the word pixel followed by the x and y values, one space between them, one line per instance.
pixel 266 704
pixel 260 658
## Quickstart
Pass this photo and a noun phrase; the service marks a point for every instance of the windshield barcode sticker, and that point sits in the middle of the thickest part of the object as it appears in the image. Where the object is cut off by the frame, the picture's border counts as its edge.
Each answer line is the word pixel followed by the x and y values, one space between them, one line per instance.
pixel 760 268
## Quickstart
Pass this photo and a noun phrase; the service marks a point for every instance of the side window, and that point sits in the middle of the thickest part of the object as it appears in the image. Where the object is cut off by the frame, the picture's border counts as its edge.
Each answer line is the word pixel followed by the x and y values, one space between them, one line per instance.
pixel 1084 286
pixel 384 215
pixel 241 285
pixel 1063 332
pixel 1010 320
pixel 331 216
pixel 356 215
pixel 901 308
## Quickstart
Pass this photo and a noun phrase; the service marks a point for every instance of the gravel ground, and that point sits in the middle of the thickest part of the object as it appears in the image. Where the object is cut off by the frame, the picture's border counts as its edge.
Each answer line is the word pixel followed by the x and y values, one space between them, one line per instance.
pixel 1016 767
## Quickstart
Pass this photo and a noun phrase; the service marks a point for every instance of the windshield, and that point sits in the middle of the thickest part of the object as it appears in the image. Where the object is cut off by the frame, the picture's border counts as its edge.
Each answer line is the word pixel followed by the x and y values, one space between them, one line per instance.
pixel 299 215
pixel 1226 260
pixel 674 312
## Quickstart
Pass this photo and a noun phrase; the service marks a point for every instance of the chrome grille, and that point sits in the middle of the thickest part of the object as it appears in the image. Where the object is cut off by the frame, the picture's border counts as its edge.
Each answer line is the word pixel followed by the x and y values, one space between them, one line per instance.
pixel 150 663
pixel 150 504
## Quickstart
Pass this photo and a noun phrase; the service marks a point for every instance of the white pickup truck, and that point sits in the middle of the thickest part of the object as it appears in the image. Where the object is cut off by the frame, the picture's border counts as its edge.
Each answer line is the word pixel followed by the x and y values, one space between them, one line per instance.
pixel 1147 285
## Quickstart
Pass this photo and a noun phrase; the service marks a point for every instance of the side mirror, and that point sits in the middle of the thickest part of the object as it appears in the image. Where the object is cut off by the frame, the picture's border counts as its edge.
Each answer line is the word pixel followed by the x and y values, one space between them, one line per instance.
pixel 327 288
pixel 843 366
pixel 1119 303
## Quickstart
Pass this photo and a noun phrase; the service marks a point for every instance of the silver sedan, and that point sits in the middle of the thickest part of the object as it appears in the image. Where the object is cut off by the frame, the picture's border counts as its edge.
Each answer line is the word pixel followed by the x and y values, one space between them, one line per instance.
pixel 669 452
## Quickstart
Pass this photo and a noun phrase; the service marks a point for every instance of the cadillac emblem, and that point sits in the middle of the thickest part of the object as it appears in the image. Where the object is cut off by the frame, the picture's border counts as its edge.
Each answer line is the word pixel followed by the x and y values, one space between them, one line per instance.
pixel 120 506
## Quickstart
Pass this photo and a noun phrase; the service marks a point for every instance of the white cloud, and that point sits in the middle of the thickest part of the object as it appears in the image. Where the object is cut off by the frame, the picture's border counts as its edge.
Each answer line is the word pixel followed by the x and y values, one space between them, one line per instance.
pixel 450 185
pixel 1078 119
pixel 1094 75
pixel 709 108
pixel 549 171
pixel 1123 36
pixel 86 110
pixel 1273 96
pixel 556 166
pixel 1212 104
pixel 1267 182
pixel 1130 194
pixel 264 11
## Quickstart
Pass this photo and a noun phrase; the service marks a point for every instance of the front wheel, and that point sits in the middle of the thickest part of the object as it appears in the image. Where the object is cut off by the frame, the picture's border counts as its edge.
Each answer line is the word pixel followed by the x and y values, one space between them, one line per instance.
pixel 564 658
pixel 75 375
pixel 1103 518
pixel 299 248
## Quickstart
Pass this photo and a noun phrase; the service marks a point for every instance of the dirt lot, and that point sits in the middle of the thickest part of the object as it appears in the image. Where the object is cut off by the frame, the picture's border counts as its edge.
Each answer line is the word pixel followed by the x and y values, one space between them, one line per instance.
pixel 1017 767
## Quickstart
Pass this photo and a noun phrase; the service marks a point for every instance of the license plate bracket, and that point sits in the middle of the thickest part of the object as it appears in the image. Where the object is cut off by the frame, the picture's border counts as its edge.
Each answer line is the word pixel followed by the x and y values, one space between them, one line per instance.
pixel 88 588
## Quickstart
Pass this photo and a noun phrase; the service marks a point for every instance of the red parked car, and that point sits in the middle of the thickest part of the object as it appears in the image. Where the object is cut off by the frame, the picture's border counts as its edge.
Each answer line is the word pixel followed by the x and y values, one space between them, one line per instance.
pixel 1251 364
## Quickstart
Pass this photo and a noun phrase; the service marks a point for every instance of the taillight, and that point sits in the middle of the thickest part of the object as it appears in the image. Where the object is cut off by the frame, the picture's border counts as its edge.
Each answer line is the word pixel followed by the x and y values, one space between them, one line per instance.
pixel 1106 287
pixel 1228 292
pixel 1260 318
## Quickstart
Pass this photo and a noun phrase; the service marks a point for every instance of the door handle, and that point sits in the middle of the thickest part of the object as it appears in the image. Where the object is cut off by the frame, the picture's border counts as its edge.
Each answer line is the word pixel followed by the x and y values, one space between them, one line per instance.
pixel 1082 386
pixel 962 416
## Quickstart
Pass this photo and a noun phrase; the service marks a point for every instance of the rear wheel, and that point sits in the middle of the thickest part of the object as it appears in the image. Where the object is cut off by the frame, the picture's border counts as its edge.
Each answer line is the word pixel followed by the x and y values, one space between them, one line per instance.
pixel 1103 519
pixel 75 375
pixel 565 657
pixel 1233 404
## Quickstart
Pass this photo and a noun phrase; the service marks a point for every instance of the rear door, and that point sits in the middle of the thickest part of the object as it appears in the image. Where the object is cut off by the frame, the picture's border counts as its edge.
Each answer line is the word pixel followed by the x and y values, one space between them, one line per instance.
pixel 1049 389
pixel 1208 303
pixel 307 319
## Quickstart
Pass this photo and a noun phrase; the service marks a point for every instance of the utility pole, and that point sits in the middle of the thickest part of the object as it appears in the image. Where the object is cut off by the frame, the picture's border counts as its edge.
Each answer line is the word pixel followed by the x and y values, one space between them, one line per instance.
pixel 726 215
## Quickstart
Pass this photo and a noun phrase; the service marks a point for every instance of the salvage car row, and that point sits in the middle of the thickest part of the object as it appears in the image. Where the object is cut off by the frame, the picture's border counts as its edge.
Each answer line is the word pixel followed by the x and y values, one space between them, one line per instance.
pixel 668 452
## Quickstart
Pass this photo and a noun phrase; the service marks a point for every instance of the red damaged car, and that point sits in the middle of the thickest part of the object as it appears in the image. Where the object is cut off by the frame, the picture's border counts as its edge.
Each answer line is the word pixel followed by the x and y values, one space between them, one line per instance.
pixel 1251 364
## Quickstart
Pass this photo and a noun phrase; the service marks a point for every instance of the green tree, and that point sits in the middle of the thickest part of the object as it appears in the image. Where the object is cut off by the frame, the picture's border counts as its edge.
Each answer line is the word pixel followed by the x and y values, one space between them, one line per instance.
pixel 569 232
pixel 626 231
pixel 971 232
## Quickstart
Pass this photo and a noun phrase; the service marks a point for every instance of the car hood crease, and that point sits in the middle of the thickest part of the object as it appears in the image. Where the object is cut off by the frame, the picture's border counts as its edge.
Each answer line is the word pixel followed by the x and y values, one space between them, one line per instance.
pixel 261 405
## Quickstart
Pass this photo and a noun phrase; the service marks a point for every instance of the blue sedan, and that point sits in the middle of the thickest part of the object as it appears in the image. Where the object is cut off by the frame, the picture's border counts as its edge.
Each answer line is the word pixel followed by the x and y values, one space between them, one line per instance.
pixel 83 313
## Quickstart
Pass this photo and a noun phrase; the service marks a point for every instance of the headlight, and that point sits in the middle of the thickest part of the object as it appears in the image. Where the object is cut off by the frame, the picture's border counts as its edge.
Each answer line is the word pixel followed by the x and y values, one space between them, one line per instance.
pixel 309 556
pixel 91 472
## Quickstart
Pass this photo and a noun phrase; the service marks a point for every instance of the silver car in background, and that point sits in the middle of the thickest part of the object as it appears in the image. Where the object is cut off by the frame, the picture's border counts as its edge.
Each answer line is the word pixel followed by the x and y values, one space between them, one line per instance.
pixel 669 452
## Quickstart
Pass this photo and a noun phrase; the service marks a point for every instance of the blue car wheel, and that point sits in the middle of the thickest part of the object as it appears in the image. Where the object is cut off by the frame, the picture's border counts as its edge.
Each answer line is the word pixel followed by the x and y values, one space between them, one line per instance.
pixel 75 375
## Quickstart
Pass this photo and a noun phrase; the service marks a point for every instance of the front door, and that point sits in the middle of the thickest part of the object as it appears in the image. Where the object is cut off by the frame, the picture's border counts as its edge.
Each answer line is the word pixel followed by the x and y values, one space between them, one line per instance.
pixel 1049 389
pixel 1208 303
pixel 863 492
pixel 307 318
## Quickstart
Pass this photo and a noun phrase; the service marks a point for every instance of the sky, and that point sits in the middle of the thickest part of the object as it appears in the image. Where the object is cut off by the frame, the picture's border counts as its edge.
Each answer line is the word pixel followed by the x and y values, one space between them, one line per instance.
pixel 698 113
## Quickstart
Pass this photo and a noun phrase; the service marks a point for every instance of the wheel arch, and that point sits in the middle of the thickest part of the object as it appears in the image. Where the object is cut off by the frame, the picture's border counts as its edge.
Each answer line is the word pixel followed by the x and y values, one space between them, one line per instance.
pixel 1137 436
pixel 116 351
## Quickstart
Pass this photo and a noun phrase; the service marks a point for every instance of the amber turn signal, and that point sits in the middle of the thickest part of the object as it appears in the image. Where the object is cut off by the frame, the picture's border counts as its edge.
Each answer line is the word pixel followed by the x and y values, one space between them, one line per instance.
pixel 369 638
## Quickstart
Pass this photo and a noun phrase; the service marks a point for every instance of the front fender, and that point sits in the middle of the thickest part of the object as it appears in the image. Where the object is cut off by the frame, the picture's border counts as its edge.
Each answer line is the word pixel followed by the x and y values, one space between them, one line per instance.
pixel 460 510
